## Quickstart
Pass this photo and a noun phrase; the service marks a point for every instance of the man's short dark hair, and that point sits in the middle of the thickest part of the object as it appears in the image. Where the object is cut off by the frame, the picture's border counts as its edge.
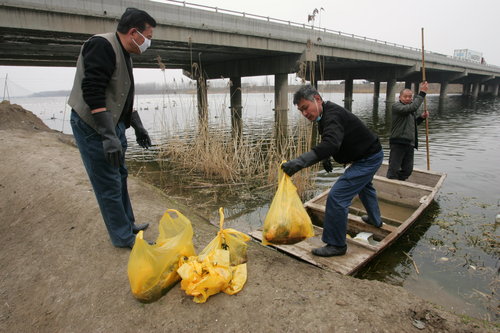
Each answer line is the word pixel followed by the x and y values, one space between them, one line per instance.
pixel 134 18
pixel 403 91
pixel 305 92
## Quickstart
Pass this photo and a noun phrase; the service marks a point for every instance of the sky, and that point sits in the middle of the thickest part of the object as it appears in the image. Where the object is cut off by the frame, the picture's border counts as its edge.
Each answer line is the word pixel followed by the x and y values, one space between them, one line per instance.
pixel 448 25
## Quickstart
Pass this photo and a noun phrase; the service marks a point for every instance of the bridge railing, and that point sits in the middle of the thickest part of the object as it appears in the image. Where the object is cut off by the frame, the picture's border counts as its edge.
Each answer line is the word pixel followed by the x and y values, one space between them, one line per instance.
pixel 308 26
pixel 290 23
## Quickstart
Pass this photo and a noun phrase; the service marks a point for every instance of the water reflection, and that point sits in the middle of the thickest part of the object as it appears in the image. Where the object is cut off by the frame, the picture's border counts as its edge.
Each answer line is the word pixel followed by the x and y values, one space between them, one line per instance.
pixel 394 265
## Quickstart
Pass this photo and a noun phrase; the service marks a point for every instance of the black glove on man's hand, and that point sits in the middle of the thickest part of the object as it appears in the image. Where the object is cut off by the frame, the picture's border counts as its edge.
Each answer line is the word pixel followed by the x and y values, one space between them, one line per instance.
pixel 110 143
pixel 141 134
pixel 303 161
pixel 327 165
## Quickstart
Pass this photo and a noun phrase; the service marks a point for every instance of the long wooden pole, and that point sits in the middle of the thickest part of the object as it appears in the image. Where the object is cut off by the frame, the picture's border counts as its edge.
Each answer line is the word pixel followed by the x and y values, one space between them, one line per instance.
pixel 425 106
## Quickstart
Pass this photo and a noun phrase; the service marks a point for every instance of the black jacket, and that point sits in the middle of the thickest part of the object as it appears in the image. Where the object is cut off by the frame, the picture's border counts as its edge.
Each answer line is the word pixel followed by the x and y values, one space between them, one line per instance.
pixel 344 136
pixel 99 59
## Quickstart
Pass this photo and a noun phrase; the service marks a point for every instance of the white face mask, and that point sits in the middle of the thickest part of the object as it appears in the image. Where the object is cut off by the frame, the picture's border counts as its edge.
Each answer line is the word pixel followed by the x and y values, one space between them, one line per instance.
pixel 144 46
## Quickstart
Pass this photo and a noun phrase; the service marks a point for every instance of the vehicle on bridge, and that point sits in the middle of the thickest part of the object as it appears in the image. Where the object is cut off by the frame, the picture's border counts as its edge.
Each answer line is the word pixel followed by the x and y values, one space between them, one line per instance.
pixel 469 55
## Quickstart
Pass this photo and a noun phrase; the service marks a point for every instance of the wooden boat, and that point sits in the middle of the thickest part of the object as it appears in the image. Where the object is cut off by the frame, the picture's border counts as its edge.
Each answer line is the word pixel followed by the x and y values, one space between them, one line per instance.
pixel 401 202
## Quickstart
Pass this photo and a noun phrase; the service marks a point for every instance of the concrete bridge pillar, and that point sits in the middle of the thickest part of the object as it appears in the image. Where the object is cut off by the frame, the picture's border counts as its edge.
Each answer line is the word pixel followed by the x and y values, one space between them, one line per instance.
pixel 443 90
pixel 236 107
pixel 376 90
pixel 376 95
pixel 494 92
pixel 466 89
pixel 281 109
pixel 475 89
pixel 416 87
pixel 313 141
pixel 390 93
pixel 348 94
pixel 201 93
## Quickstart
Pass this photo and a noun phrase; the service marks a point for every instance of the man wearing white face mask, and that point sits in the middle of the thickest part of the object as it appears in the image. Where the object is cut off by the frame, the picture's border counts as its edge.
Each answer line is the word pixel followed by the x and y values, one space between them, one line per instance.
pixel 145 45
pixel 101 99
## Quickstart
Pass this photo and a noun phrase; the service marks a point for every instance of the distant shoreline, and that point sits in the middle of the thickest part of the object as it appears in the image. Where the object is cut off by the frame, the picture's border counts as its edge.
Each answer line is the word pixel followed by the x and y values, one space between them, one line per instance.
pixel 363 88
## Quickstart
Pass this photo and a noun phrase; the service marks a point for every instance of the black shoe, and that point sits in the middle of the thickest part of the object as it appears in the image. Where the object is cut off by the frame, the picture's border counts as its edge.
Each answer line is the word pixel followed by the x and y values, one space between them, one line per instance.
pixel 330 251
pixel 138 227
pixel 367 220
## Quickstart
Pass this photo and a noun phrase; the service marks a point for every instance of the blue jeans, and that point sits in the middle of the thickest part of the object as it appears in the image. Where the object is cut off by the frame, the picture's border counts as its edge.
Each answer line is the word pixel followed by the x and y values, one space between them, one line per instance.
pixel 109 183
pixel 357 179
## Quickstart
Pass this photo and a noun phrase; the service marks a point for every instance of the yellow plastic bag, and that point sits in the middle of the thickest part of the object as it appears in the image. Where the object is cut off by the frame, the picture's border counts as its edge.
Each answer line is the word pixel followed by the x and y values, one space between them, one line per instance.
pixel 287 221
pixel 219 267
pixel 152 269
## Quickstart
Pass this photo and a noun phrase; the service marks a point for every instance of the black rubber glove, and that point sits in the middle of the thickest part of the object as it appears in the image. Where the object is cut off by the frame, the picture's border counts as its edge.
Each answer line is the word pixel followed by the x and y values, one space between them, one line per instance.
pixel 327 165
pixel 303 161
pixel 141 134
pixel 110 142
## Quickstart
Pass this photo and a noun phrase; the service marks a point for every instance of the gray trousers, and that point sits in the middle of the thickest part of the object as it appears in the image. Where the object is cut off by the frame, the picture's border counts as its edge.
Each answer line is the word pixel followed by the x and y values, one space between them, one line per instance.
pixel 400 161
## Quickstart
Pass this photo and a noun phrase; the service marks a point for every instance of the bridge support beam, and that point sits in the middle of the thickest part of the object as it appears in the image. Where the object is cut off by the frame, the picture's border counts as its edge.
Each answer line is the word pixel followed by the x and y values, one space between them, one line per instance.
pixel 390 93
pixel 416 87
pixel 236 107
pixel 466 89
pixel 349 86
pixel 443 90
pixel 475 89
pixel 201 93
pixel 313 141
pixel 281 109
pixel 494 92
pixel 376 90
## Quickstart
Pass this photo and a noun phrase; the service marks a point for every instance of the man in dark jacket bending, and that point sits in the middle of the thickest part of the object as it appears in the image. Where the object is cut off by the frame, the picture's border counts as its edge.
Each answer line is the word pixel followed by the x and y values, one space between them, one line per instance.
pixel 404 136
pixel 348 141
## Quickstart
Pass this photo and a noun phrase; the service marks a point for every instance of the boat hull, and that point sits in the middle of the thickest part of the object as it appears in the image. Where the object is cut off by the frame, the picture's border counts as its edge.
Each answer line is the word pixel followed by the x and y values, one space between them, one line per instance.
pixel 401 203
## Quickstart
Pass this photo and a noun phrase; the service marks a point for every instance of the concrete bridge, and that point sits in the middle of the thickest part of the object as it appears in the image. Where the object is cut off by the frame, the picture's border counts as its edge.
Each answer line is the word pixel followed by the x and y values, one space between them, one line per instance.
pixel 210 43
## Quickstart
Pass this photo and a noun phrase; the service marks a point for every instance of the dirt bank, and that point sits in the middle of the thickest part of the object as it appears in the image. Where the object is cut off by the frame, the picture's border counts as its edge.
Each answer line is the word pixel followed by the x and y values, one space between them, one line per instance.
pixel 60 273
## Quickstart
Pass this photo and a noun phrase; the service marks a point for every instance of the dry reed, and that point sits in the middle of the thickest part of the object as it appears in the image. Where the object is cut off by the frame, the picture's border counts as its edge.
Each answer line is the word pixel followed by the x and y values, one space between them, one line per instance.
pixel 215 155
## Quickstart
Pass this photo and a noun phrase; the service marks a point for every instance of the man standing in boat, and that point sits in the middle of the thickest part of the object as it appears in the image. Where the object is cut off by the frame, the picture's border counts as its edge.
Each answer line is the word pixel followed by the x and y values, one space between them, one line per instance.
pixel 404 133
pixel 345 138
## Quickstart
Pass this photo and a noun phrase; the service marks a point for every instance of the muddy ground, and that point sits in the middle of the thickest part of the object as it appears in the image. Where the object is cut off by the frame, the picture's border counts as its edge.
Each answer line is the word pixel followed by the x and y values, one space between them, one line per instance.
pixel 60 272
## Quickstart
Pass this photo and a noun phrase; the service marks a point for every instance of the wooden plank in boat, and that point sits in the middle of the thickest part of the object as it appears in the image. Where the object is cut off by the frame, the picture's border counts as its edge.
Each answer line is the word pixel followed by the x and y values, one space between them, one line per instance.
pixel 357 253
pixel 355 223
pixel 418 176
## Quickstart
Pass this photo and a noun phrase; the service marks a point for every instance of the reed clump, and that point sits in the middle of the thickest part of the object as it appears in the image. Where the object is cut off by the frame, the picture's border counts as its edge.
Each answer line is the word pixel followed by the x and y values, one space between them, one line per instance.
pixel 247 160
pixel 215 154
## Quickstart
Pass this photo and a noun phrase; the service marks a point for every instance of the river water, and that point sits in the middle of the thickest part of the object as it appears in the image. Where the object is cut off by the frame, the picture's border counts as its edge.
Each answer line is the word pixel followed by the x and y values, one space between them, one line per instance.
pixel 454 245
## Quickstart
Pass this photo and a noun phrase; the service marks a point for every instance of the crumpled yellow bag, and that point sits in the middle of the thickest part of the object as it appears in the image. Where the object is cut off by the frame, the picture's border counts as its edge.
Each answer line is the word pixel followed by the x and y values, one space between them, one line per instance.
pixel 221 266
pixel 287 221
pixel 152 269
